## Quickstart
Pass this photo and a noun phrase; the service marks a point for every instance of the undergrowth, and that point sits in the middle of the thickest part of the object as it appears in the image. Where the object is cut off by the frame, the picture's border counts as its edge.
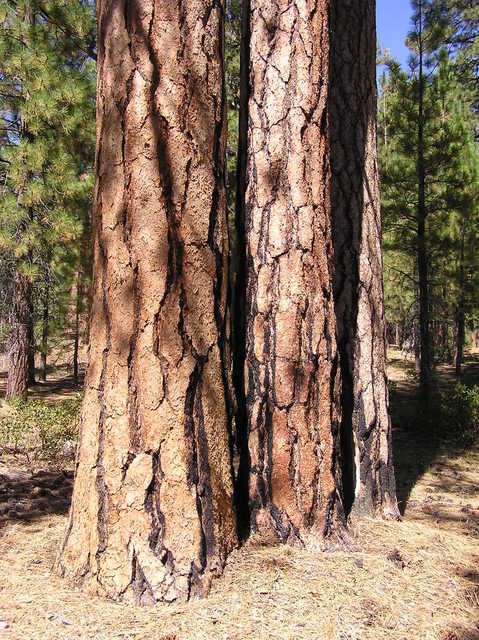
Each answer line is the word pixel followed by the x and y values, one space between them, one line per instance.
pixel 36 431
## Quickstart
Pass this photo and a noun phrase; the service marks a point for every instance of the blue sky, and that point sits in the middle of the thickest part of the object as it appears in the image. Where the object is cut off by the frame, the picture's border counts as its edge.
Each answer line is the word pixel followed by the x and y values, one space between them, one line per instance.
pixel 393 25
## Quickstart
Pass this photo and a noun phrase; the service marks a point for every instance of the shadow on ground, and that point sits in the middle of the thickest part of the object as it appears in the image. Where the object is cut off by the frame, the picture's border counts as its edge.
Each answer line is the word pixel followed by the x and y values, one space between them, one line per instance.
pixel 60 384
pixel 417 443
pixel 27 497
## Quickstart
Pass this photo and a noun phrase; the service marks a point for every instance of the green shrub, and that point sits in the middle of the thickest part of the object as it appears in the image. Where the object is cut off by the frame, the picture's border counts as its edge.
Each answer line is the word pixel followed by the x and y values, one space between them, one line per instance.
pixel 37 431
pixel 460 413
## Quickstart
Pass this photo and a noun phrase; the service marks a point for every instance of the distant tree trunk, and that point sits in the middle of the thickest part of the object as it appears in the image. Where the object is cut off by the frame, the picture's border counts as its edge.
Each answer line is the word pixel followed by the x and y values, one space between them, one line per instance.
pixel 31 336
pixel 152 512
pixel 460 312
pixel 291 362
pixel 416 343
pixel 368 472
pixel 46 308
pixel 76 339
pixel 17 380
pixel 422 258
pixel 475 338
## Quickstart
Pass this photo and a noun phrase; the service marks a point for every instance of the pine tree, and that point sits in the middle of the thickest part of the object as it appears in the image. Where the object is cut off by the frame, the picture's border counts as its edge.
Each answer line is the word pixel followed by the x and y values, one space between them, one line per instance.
pixel 448 162
pixel 47 84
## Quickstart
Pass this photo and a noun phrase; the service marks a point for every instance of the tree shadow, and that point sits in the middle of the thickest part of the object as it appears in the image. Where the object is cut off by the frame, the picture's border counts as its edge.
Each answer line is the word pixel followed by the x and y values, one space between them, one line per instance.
pixel 419 443
pixel 27 499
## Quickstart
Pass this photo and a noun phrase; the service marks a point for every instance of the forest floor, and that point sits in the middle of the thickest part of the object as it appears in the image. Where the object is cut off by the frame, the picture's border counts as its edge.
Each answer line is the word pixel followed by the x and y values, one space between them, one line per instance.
pixel 409 580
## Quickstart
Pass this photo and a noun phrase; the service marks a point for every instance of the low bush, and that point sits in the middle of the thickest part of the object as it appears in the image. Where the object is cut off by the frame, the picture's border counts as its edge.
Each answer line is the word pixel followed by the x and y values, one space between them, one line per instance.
pixel 460 413
pixel 35 430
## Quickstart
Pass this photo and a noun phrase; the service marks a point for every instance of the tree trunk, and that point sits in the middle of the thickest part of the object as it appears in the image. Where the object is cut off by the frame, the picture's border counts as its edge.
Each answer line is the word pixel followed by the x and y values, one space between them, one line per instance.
pixel 76 339
pixel 31 336
pixel 460 312
pixel 368 473
pixel 152 513
pixel 46 305
pixel 475 338
pixel 17 380
pixel 422 258
pixel 291 362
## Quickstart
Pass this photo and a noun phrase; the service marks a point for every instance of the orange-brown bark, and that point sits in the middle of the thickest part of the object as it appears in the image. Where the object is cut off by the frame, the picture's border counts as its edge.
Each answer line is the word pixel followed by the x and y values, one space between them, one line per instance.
pixel 368 476
pixel 152 511
pixel 292 382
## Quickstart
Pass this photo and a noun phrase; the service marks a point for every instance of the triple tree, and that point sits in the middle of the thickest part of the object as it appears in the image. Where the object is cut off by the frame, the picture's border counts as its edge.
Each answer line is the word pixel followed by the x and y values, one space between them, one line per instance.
pixel 158 503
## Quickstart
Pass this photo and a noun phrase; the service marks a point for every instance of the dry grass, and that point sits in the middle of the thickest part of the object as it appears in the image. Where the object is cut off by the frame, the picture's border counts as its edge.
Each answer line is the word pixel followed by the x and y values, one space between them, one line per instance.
pixel 415 579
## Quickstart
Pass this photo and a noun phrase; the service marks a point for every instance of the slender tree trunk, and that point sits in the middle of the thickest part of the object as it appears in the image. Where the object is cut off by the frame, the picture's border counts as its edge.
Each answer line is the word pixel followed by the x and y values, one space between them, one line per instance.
pixel 17 380
pixel 76 339
pixel 291 361
pixel 368 473
pixel 417 348
pixel 460 312
pixel 425 355
pixel 152 513
pixel 31 336
pixel 46 317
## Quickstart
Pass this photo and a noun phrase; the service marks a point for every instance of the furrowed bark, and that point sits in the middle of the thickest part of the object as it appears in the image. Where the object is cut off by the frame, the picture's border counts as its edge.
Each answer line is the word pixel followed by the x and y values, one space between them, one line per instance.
pixel 17 380
pixel 368 473
pixel 291 363
pixel 152 512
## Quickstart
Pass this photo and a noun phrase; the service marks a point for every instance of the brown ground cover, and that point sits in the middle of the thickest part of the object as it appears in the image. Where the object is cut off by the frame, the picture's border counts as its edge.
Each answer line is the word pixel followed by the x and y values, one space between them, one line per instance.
pixel 415 579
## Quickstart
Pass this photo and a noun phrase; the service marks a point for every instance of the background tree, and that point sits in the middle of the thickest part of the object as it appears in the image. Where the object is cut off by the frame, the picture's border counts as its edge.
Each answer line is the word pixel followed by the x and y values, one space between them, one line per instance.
pixel 449 165
pixel 47 84
pixel 292 386
pixel 366 438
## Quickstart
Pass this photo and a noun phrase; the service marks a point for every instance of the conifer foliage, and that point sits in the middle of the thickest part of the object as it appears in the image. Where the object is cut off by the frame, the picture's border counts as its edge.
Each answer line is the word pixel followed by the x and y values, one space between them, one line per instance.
pixel 429 162
pixel 47 85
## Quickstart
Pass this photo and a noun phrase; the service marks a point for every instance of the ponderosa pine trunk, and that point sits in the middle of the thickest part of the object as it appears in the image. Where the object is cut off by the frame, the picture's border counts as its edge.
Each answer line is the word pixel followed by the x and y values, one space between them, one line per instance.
pixel 17 380
pixel 291 362
pixel 368 473
pixel 152 511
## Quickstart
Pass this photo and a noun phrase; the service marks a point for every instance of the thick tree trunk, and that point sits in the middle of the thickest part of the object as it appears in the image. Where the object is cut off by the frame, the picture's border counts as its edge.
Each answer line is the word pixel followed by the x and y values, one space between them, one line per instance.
pixel 368 473
pixel 17 380
pixel 291 362
pixel 152 512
